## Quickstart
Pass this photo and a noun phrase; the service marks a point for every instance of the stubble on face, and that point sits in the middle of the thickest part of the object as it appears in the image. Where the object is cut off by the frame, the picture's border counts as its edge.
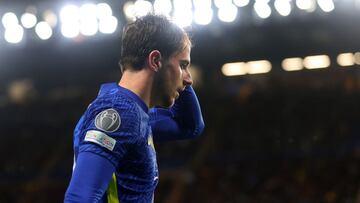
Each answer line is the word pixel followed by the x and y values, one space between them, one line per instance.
pixel 168 81
pixel 161 89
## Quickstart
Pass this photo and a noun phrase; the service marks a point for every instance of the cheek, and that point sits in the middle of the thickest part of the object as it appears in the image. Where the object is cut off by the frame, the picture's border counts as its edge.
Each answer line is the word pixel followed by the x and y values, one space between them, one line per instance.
pixel 175 74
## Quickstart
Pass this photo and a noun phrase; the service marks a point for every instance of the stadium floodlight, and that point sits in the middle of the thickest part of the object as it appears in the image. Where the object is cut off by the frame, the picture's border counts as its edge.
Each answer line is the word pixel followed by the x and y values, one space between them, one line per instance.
pixel 241 3
pixel 183 19
pixel 50 17
pixel 142 8
pixel 89 27
pixel 318 61
pixel 163 7
pixel 198 4
pixel 262 9
pixel 28 20
pixel 357 58
pixel 203 16
pixel 129 10
pixel 257 67
pixel 234 69
pixel 14 34
pixel 222 3
pixel 326 5
pixel 10 20
pixel 88 19
pixel 103 10
pixel 88 11
pixel 292 64
pixel 43 30
pixel 307 5
pixel 108 25
pixel 346 59
pixel 203 12
pixel 69 13
pixel 283 7
pixel 228 14
pixel 183 14
pixel 70 29
pixel 262 1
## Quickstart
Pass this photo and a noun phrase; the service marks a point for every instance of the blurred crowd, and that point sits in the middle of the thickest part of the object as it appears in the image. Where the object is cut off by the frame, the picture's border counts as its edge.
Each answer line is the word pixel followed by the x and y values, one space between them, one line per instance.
pixel 266 140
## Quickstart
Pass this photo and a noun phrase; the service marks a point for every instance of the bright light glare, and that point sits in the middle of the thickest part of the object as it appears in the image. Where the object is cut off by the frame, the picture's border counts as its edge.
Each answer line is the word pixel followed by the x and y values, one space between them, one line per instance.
pixel 308 5
pixel 357 58
pixel 318 61
pixel 142 8
pixel 241 3
pixel 182 5
pixel 241 68
pixel 43 30
pixel 203 16
pixel 283 7
pixel 292 64
pixel 87 11
pixel 199 4
pixel 257 67
pixel 89 27
pixel 228 13
pixel 183 19
pixel 326 5
pixel 129 10
pixel 183 15
pixel 70 30
pixel 10 20
pixel 346 59
pixel 108 25
pixel 162 7
pixel 50 17
pixel 69 13
pixel 233 69
pixel 222 3
pixel 263 10
pixel 203 12
pixel 103 10
pixel 14 34
pixel 28 20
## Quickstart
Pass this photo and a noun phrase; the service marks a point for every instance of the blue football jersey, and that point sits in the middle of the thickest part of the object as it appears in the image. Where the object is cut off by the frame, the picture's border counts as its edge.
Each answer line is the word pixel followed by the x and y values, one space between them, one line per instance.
pixel 118 121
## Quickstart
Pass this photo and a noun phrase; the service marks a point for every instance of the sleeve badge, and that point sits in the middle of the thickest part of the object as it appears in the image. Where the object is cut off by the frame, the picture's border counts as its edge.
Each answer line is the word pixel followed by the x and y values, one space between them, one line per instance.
pixel 108 120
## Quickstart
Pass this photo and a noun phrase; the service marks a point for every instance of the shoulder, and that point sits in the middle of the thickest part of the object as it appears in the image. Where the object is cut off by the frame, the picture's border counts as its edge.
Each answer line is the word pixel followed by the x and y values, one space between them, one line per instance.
pixel 111 113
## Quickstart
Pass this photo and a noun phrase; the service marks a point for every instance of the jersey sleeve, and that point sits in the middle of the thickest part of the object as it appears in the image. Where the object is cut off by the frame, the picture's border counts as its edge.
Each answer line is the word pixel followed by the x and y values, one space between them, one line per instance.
pixel 114 126
pixel 182 121
pixel 89 185
pixel 107 132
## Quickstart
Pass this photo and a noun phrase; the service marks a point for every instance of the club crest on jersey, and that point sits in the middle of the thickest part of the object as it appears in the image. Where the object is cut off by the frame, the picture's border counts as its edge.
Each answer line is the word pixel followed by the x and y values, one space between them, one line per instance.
pixel 108 120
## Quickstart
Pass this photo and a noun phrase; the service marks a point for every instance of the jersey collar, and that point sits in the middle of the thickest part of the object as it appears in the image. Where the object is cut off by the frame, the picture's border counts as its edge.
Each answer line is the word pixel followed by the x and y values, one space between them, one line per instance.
pixel 128 93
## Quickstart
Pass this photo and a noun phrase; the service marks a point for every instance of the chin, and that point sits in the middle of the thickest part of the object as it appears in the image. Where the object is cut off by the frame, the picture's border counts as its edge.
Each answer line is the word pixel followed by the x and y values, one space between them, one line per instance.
pixel 168 102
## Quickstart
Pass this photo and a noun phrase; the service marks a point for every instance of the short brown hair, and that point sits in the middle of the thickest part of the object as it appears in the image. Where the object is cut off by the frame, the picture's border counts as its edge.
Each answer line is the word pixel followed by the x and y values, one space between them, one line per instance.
pixel 148 33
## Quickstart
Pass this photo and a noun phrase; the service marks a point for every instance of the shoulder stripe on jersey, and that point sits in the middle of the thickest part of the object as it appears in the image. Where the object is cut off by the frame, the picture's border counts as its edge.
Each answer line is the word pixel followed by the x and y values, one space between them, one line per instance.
pixel 112 193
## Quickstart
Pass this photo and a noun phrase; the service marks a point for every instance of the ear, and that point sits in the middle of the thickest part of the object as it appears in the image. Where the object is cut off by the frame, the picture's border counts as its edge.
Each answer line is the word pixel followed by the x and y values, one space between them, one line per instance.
pixel 154 60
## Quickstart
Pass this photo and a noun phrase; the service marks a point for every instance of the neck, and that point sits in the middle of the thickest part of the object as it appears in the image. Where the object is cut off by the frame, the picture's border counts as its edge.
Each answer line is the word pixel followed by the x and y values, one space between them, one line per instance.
pixel 139 82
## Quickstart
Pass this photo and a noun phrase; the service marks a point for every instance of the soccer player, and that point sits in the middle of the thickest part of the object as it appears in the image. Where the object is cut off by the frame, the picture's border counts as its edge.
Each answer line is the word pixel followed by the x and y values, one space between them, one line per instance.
pixel 115 158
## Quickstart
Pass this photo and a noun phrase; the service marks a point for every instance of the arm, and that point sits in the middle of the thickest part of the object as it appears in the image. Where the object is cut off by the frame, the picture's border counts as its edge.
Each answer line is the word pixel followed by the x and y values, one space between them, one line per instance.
pixel 90 178
pixel 182 121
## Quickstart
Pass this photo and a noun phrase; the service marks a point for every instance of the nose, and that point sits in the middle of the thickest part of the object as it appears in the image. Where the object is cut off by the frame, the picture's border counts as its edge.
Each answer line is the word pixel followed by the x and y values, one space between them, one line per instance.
pixel 187 79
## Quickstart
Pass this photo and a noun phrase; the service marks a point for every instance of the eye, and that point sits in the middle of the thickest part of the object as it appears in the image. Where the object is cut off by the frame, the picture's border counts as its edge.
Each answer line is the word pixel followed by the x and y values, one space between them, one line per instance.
pixel 184 65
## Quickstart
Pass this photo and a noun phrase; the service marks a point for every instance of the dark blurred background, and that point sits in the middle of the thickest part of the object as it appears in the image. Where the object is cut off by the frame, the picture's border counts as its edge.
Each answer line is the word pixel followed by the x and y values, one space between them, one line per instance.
pixel 276 136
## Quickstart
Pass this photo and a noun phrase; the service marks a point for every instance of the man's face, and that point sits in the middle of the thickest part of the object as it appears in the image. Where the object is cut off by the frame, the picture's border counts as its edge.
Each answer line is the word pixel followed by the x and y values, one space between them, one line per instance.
pixel 173 77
